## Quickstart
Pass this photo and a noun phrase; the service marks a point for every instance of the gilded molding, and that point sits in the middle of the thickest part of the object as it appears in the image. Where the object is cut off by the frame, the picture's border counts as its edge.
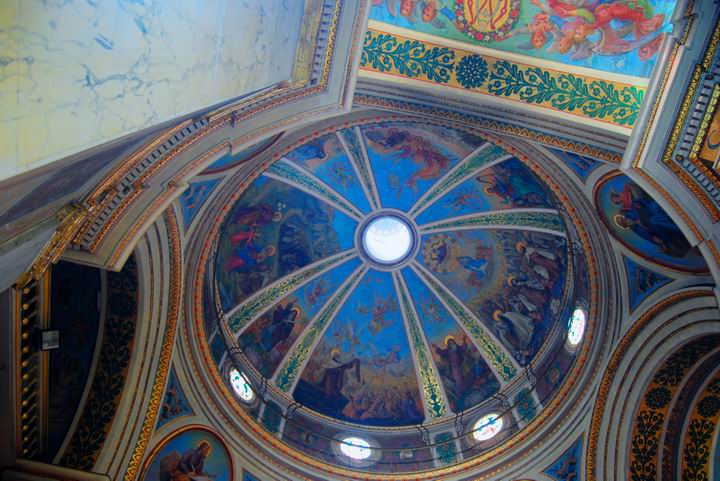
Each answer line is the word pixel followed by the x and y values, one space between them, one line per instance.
pixel 167 346
pixel 679 126
pixel 70 218
pixel 100 199
pixel 495 126
pixel 705 124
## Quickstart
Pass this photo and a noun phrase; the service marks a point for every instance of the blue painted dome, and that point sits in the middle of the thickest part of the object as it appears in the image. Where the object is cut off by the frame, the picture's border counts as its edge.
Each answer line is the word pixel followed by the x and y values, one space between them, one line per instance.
pixel 395 274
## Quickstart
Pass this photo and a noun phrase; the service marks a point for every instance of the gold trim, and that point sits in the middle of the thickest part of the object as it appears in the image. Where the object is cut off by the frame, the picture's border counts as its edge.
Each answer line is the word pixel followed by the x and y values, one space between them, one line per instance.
pixel 101 197
pixel 612 367
pixel 70 219
pixel 682 115
pixel 705 124
pixel 167 347
pixel 266 440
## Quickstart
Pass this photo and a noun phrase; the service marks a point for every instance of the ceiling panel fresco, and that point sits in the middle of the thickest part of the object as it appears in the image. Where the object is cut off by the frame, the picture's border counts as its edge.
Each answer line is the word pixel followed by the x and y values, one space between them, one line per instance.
pixel 267 340
pixel 408 160
pixel 614 36
pixel 638 222
pixel 511 280
pixel 466 377
pixel 273 230
pixel 325 158
pixel 436 331
pixel 362 369
pixel 507 185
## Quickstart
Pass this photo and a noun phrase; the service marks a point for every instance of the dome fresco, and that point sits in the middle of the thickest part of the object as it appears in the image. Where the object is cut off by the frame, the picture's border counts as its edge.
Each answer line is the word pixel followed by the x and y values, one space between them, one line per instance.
pixel 484 292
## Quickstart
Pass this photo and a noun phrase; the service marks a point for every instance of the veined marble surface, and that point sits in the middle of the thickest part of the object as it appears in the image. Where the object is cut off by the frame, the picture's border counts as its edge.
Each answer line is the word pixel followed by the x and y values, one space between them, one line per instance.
pixel 77 73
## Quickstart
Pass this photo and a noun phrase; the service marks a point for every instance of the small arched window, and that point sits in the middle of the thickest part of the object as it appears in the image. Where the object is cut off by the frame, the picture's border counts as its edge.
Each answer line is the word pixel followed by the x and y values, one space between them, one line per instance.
pixel 355 448
pixel 576 326
pixel 487 427
pixel 241 386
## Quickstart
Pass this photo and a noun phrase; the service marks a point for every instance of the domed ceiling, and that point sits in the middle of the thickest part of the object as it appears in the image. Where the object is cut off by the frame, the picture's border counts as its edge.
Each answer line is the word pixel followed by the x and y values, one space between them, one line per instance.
pixel 394 274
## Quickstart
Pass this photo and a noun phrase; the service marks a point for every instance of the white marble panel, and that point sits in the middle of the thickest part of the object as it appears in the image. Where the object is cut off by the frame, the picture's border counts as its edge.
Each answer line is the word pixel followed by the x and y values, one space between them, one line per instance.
pixel 77 73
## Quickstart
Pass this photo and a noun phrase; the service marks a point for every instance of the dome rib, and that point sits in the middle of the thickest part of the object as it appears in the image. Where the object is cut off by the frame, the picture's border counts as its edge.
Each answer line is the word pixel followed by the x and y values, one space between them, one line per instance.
pixel 246 312
pixel 432 390
pixel 294 175
pixel 484 157
pixel 294 362
pixel 493 352
pixel 540 220
pixel 351 141
pixel 482 271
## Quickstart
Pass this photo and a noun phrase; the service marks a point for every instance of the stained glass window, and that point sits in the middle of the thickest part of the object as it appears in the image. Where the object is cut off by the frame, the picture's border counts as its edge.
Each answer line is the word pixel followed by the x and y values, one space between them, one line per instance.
pixel 487 426
pixel 241 386
pixel 576 327
pixel 355 448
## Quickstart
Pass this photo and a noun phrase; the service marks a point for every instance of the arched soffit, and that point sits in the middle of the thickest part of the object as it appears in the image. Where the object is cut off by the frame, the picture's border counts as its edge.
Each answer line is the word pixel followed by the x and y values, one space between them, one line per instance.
pixel 159 266
pixel 529 412
pixel 468 51
pixel 673 346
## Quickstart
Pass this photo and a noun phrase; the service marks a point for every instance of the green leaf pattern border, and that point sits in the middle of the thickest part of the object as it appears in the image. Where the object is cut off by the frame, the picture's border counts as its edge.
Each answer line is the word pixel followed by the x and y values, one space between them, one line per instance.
pixel 599 99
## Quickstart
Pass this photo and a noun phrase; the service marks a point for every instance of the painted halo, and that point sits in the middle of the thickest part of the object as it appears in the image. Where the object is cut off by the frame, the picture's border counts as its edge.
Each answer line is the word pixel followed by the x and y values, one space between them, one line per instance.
pixel 638 222
pixel 175 454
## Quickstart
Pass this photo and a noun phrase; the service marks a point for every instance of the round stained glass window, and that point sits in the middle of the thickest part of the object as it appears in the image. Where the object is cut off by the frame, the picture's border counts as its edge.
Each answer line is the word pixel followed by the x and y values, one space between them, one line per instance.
pixel 387 239
pixel 487 427
pixel 241 386
pixel 355 448
pixel 576 327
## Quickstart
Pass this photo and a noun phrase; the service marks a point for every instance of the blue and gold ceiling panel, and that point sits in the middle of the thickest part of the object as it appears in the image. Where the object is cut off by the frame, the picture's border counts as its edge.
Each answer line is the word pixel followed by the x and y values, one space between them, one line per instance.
pixel 505 185
pixel 273 230
pixel 362 369
pixel 326 159
pixel 510 279
pixel 465 375
pixel 407 159
pixel 268 339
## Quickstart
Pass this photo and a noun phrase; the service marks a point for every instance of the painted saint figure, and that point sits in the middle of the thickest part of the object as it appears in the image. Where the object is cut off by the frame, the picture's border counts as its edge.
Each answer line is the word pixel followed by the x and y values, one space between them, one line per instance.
pixel 454 355
pixel 333 379
pixel 281 326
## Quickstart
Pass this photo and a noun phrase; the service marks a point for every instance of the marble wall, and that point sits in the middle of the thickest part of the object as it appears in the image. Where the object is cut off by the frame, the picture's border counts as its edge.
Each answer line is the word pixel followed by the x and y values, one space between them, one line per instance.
pixel 77 73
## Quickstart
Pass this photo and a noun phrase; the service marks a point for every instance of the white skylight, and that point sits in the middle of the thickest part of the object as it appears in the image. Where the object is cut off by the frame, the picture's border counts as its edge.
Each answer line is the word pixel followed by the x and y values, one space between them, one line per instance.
pixel 387 239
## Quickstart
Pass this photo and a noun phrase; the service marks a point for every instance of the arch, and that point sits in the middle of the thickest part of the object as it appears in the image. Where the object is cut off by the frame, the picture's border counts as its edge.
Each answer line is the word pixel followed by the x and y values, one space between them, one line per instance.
pixel 635 388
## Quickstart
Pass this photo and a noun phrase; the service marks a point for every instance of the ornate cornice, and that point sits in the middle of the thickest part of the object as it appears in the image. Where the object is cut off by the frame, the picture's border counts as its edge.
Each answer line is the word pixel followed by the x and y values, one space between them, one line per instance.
pixel 70 219
pixel 488 124
pixel 680 154
pixel 124 187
